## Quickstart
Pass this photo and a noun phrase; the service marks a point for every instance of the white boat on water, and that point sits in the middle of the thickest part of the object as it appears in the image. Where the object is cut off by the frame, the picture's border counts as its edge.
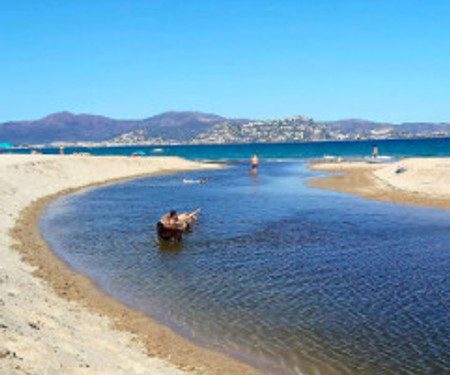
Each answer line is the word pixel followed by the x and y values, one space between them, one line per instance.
pixel 378 159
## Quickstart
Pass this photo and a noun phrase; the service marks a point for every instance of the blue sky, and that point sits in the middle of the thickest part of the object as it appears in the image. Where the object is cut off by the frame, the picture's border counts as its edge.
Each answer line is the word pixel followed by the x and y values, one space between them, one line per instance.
pixel 383 60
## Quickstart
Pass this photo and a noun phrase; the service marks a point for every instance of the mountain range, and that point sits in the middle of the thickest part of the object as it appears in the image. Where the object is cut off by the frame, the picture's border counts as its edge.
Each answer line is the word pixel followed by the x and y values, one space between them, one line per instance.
pixel 202 128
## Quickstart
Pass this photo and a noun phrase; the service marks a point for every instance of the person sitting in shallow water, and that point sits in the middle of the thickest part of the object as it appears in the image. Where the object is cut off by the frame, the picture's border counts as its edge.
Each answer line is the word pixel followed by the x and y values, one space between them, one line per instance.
pixel 188 217
pixel 182 221
pixel 170 220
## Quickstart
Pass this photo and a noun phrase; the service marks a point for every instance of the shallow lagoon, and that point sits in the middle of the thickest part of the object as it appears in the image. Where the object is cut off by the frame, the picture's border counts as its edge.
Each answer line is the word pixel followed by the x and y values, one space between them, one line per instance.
pixel 284 276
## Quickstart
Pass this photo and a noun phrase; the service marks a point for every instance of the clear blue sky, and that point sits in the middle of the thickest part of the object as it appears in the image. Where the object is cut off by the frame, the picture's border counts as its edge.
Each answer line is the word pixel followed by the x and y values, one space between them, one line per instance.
pixel 383 60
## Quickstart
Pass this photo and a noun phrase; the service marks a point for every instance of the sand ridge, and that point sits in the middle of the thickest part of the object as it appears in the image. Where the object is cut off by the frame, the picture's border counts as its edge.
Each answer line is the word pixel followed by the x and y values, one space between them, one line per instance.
pixel 416 181
pixel 85 331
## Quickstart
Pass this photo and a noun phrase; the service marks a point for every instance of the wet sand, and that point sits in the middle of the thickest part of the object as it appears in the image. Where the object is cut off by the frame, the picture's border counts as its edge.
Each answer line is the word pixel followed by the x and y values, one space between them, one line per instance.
pixel 414 181
pixel 55 321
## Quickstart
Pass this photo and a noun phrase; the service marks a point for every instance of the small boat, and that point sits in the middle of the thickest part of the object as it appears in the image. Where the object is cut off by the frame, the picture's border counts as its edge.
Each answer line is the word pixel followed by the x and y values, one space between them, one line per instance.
pixel 378 159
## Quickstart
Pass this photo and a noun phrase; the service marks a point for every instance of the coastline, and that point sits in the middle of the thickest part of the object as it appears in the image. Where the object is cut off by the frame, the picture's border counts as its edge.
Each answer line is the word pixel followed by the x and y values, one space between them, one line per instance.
pixel 413 181
pixel 54 320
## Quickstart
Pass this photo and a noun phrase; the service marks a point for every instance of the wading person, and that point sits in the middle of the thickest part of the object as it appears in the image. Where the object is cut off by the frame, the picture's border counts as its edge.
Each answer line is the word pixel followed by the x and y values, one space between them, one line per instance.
pixel 254 163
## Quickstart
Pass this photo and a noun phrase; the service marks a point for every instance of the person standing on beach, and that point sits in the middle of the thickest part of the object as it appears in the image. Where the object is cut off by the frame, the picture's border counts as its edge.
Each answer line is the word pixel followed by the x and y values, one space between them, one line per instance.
pixel 375 152
pixel 254 162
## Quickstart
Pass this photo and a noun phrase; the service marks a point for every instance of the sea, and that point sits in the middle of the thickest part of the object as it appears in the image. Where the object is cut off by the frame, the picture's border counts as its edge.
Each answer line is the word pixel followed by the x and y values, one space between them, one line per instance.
pixel 286 277
pixel 304 151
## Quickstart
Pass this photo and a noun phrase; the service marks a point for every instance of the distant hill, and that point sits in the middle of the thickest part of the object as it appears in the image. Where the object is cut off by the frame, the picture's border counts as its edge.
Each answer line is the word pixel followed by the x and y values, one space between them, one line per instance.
pixel 424 127
pixel 173 127
pixel 357 126
pixel 291 129
pixel 64 126
pixel 202 128
pixel 369 129
pixel 68 127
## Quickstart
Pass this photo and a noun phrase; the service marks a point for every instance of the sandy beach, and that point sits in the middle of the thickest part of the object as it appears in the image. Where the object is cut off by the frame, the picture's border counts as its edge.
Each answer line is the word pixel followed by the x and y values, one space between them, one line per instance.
pixel 55 321
pixel 416 181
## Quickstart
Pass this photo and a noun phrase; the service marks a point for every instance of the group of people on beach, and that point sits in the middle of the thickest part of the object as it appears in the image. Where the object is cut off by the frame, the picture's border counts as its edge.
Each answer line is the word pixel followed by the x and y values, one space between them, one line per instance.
pixel 183 221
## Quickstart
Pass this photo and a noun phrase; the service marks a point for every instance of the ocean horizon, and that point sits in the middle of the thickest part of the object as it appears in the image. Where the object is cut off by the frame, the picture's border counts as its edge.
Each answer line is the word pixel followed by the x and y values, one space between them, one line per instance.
pixel 397 148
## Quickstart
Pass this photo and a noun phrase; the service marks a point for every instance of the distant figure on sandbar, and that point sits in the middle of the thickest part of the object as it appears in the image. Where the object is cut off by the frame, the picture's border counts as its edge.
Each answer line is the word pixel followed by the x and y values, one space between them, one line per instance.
pixel 375 152
pixel 254 162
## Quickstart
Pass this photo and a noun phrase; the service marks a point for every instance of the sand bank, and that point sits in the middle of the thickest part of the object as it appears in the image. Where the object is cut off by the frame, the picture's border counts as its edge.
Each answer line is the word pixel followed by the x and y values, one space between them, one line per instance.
pixel 54 321
pixel 416 181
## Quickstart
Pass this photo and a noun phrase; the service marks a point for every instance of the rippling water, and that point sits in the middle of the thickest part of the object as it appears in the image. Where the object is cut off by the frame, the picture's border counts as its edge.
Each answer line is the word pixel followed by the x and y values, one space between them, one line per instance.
pixel 289 278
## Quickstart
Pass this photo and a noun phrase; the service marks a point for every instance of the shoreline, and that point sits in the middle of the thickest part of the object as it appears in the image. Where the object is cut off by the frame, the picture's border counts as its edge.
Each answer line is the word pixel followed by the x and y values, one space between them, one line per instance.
pixel 414 181
pixel 54 320
pixel 68 309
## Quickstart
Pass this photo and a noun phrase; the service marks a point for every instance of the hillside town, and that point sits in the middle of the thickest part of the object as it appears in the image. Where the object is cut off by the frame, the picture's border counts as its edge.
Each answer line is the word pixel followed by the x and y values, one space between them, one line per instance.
pixel 289 130
pixel 196 128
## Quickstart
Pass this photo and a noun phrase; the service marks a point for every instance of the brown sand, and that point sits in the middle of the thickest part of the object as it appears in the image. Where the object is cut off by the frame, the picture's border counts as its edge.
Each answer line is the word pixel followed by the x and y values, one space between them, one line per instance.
pixel 424 181
pixel 86 330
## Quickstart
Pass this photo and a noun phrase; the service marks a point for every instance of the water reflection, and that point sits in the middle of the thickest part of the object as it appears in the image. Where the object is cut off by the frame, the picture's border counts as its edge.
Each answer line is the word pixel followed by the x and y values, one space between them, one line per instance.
pixel 274 272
